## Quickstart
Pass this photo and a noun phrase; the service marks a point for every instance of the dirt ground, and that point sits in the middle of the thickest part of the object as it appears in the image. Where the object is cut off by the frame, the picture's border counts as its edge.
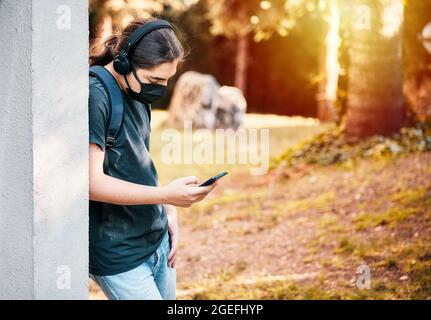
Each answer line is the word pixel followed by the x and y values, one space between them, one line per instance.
pixel 295 234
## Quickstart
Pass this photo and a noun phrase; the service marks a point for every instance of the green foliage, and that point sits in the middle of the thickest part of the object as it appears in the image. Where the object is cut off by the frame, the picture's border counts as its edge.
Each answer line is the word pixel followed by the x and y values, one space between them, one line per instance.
pixel 331 147
pixel 262 18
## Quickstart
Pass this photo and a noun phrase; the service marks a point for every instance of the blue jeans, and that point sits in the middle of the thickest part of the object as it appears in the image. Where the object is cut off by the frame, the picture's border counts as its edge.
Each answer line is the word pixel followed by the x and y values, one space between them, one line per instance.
pixel 152 280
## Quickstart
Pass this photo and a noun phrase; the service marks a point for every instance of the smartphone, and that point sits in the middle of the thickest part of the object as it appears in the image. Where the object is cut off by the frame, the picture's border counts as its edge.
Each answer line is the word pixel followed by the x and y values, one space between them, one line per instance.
pixel 213 179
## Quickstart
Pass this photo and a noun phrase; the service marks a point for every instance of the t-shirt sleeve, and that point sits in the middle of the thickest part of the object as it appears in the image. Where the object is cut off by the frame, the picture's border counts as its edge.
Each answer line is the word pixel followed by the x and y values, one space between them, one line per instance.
pixel 97 116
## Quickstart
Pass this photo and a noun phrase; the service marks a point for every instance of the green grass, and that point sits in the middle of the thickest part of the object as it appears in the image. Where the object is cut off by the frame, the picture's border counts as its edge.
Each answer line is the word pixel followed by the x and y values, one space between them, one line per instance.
pixel 279 139
pixel 404 205
pixel 346 245
pixel 389 217
pixel 227 199
pixel 321 202
pixel 287 289
pixel 412 197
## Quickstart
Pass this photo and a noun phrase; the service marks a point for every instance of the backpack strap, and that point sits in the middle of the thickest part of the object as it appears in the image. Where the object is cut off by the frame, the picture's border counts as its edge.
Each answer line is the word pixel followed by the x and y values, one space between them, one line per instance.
pixel 115 105
pixel 115 101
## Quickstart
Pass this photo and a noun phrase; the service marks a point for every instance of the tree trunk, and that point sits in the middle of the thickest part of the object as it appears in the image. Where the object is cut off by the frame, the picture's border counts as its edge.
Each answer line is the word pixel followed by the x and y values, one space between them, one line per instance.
pixel 241 63
pixel 375 104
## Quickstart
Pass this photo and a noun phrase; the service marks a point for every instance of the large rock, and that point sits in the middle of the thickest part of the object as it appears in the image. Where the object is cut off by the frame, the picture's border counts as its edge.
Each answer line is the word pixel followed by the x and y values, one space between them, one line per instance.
pixel 426 36
pixel 199 98
pixel 194 99
pixel 418 95
pixel 231 108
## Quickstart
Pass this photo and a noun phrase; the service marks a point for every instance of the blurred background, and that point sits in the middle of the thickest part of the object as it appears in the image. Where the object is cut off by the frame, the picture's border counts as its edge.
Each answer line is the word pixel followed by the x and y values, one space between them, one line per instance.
pixel 344 88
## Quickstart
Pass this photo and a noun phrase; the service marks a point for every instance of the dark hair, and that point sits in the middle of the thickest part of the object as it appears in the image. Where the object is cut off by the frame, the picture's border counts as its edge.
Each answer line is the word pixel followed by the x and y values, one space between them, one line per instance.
pixel 158 46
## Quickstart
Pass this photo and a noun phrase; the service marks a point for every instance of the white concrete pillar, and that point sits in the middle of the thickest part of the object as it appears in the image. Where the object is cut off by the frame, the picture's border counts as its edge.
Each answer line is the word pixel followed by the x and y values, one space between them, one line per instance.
pixel 43 149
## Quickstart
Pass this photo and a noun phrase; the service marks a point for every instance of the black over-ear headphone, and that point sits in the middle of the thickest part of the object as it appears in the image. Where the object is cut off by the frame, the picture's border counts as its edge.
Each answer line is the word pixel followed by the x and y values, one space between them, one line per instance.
pixel 121 61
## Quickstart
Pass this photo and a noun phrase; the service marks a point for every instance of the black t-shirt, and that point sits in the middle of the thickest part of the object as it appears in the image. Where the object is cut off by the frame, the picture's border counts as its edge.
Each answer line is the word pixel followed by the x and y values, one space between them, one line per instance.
pixel 122 236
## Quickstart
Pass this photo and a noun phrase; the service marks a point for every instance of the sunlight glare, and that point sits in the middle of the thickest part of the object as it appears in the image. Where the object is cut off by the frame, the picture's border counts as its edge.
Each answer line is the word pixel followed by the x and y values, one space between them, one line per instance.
pixel 392 18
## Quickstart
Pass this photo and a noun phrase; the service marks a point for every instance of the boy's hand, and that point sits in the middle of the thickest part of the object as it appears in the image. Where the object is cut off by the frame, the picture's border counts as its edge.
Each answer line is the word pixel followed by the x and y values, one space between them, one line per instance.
pixel 185 191
pixel 173 234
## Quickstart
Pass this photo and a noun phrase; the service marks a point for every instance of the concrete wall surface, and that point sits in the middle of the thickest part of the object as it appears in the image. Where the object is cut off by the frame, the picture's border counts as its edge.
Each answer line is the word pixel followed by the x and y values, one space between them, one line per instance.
pixel 43 149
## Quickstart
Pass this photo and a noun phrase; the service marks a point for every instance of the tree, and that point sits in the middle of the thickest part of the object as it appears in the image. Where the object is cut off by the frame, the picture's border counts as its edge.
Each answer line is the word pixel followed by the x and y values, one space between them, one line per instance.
pixel 375 91
pixel 240 20
pixel 231 18
pixel 118 13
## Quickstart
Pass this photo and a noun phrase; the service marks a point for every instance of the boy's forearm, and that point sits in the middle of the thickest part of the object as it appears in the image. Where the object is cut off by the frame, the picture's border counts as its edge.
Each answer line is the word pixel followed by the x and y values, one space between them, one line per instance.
pixel 116 191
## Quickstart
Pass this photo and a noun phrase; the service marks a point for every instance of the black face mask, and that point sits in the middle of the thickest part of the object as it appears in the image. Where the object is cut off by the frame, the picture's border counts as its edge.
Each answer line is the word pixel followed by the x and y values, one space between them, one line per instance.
pixel 149 93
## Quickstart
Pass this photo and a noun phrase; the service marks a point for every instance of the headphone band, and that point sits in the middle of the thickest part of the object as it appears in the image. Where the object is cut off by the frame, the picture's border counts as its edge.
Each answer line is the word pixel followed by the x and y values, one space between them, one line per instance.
pixel 122 63
pixel 142 31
